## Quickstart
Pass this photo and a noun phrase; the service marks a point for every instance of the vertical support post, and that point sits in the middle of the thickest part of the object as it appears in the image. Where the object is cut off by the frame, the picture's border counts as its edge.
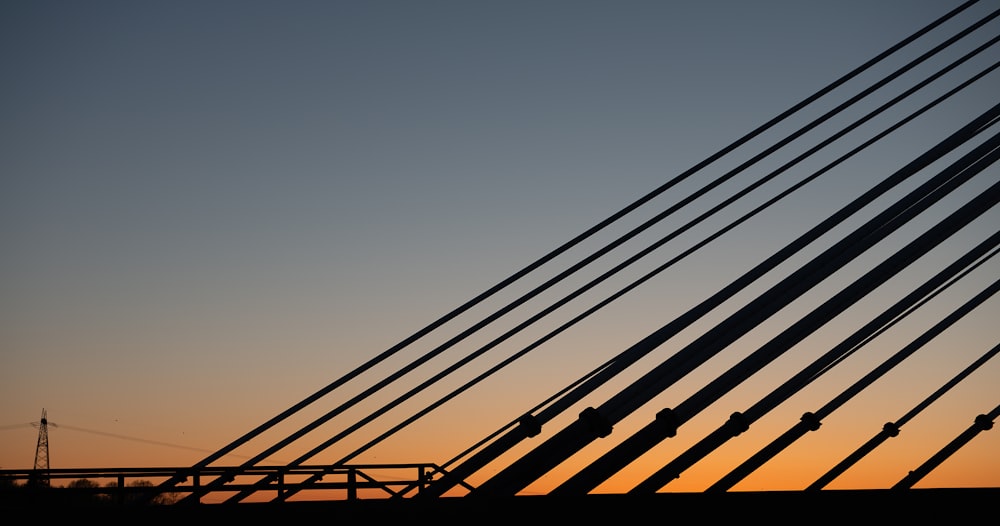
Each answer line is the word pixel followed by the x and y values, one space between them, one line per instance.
pixel 352 484
pixel 121 488
pixel 196 484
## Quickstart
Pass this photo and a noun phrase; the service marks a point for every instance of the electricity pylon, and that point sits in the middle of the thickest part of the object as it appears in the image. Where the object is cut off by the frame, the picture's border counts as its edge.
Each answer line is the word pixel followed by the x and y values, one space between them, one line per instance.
pixel 40 477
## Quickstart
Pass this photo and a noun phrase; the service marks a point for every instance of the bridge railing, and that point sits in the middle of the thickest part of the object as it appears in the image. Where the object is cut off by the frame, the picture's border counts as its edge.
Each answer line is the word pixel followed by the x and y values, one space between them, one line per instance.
pixel 125 485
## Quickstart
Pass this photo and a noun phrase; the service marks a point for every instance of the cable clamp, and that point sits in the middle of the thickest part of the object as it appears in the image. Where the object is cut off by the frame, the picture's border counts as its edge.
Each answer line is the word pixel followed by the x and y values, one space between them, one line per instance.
pixel 811 421
pixel 668 419
pixel 596 422
pixel 737 423
pixel 984 422
pixel 890 429
pixel 529 425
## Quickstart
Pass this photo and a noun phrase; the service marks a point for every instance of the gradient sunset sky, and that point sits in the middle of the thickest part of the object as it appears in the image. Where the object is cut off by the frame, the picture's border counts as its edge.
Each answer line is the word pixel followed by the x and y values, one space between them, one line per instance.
pixel 210 210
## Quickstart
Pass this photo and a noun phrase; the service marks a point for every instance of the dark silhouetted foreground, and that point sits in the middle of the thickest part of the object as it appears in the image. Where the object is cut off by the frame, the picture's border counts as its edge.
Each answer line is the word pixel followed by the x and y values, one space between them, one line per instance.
pixel 934 506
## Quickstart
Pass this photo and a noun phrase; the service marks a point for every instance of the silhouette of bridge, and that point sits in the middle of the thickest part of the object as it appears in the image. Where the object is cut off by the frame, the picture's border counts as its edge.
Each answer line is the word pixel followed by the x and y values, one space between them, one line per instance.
pixel 908 236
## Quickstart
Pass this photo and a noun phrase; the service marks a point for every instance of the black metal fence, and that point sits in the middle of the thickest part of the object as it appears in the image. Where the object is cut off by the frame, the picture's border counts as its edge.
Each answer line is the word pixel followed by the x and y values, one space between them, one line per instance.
pixel 124 486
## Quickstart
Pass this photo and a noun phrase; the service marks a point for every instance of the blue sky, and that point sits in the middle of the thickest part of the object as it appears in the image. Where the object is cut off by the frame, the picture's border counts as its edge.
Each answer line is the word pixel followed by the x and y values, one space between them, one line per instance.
pixel 212 209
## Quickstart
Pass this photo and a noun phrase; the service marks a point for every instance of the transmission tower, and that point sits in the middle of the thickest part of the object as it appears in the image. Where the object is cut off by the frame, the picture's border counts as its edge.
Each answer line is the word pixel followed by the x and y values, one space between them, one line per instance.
pixel 40 477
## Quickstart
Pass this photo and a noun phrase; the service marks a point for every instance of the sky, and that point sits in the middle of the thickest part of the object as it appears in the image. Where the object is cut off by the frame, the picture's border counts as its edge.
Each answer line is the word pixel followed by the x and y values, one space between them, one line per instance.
pixel 211 210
